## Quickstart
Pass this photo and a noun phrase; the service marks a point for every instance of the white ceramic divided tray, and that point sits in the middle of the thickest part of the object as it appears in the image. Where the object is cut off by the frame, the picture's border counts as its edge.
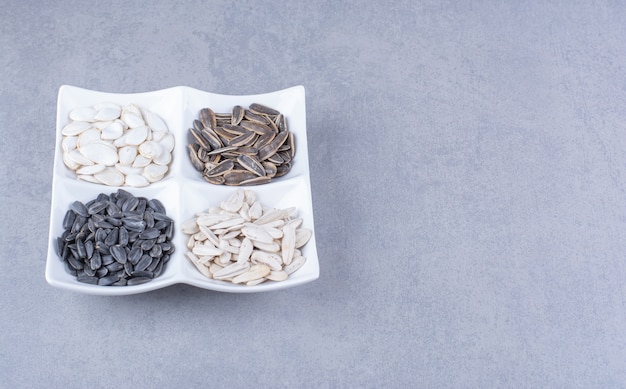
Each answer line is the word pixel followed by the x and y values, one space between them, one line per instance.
pixel 183 191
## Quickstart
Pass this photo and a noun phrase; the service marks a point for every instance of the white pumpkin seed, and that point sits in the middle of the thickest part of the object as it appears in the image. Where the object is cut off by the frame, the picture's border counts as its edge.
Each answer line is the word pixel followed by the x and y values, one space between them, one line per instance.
pixel 126 169
pixel 102 125
pixel 106 104
pixel 107 113
pixel 90 169
pixel 154 121
pixel 78 158
pixel 127 155
pixel 141 161
pixel 131 115
pixel 89 136
pixel 83 114
pixel 167 141
pixel 125 130
pixel 163 159
pixel 136 180
pixel 150 149
pixel 112 131
pixel 69 162
pixel 110 177
pixel 136 135
pixel 69 143
pixel 88 178
pixel 99 152
pixel 120 142
pixel 75 128
pixel 154 172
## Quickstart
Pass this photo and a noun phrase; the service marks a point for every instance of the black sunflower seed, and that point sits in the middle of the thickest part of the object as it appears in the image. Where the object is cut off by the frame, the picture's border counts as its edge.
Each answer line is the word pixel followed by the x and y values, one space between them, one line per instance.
pixel 87 279
pixel 119 253
pixel 79 208
pixel 115 239
pixel 150 233
pixel 137 280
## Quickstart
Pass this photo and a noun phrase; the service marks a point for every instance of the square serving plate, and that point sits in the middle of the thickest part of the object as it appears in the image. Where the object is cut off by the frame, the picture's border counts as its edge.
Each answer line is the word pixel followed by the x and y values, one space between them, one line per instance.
pixel 183 191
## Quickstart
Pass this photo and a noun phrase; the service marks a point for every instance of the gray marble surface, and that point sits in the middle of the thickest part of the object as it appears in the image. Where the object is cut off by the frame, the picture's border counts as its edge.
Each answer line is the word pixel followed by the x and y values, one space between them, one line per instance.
pixel 468 169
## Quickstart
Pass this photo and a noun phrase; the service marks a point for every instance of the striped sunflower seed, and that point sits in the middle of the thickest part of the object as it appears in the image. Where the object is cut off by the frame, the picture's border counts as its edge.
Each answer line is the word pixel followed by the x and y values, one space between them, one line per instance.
pixel 249 138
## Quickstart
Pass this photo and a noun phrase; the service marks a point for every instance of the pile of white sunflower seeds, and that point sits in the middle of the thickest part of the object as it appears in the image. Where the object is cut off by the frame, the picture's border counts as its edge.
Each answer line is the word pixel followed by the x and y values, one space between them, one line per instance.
pixel 116 239
pixel 244 243
pixel 117 145
pixel 244 147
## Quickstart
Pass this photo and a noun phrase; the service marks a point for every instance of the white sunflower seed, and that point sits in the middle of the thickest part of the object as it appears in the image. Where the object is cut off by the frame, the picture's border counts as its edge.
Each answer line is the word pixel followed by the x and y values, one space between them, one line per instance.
pixel 270 259
pixel 200 266
pixel 231 270
pixel 189 227
pixel 257 233
pixel 302 236
pixel 273 247
pixel 227 239
pixel 277 275
pixel 234 202
pixel 288 243
pixel 295 264
pixel 206 249
pixel 255 272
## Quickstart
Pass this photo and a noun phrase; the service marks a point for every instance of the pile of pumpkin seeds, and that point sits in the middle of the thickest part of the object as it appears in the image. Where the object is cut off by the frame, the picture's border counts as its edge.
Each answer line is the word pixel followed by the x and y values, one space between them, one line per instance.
pixel 244 147
pixel 116 239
